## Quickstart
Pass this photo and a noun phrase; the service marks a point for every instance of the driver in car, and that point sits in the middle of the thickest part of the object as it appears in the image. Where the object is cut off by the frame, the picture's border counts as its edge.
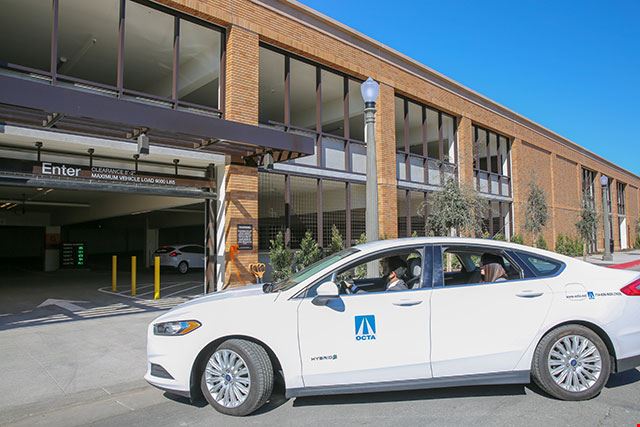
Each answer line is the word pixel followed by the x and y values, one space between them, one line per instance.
pixel 395 268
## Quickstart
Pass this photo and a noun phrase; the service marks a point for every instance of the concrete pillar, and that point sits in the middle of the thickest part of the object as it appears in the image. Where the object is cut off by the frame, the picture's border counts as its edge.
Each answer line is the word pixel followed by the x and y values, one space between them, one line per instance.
pixel 52 248
pixel 151 242
pixel 240 182
pixel 386 163
pixel 465 151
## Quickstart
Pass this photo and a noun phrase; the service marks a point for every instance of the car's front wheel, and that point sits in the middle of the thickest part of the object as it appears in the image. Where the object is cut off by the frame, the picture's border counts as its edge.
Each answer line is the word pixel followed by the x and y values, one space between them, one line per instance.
pixel 571 363
pixel 237 378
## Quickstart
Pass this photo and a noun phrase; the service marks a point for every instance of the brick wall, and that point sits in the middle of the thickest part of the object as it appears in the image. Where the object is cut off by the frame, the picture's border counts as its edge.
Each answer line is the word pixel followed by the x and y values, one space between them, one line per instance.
pixel 241 105
pixel 270 26
pixel 386 164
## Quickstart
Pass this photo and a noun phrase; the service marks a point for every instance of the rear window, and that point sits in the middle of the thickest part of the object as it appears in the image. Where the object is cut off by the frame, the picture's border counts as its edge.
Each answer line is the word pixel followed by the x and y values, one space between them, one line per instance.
pixel 164 250
pixel 542 267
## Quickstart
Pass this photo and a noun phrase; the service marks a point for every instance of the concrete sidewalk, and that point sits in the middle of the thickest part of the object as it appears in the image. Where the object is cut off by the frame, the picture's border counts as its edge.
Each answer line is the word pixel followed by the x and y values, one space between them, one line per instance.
pixel 628 258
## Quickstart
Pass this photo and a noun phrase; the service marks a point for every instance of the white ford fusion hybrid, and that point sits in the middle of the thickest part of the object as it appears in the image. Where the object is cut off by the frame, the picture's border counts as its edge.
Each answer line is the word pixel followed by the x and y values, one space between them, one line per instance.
pixel 404 314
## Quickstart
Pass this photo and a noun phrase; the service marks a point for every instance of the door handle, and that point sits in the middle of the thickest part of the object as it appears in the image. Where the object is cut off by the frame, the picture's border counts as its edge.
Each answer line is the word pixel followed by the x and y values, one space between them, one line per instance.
pixel 407 303
pixel 529 294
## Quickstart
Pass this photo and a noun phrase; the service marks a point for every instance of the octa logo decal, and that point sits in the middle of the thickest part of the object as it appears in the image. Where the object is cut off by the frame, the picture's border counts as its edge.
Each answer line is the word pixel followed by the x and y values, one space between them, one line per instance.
pixel 365 327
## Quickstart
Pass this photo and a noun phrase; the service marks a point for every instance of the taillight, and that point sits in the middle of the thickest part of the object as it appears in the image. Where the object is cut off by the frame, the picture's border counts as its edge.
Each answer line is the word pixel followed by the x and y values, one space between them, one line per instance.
pixel 174 253
pixel 632 289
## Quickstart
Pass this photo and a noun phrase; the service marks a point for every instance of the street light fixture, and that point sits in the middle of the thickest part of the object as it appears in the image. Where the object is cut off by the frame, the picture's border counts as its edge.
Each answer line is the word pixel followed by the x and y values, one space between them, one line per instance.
pixel 370 90
pixel 604 181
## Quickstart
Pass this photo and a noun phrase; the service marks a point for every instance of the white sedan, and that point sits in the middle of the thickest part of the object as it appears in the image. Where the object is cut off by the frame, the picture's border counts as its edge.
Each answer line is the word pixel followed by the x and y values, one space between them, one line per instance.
pixel 470 312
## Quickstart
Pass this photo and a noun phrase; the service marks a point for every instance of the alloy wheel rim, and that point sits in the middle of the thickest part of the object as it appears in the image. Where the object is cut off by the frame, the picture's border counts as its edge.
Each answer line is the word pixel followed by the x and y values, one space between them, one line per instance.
pixel 574 363
pixel 227 378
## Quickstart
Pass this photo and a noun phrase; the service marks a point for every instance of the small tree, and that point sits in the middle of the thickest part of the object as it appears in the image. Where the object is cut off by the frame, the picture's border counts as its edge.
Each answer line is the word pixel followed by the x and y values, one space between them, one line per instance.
pixel 587 224
pixel 536 212
pixel 455 207
pixel 280 257
pixel 361 270
pixel 309 251
pixel 517 238
pixel 336 244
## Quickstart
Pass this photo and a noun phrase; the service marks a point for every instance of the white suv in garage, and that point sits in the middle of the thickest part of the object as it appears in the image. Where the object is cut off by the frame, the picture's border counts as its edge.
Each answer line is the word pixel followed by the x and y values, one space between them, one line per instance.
pixel 560 322
pixel 181 257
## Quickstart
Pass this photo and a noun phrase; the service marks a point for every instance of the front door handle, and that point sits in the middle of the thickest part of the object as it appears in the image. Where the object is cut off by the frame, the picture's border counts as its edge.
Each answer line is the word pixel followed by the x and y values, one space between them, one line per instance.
pixel 529 294
pixel 407 303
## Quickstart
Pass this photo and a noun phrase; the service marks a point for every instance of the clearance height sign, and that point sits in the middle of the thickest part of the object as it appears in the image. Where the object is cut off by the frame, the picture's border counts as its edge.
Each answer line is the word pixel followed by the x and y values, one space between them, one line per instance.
pixel 115 175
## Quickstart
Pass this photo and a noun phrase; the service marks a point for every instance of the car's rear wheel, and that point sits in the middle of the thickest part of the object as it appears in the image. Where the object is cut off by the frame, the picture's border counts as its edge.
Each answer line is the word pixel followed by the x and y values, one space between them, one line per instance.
pixel 571 363
pixel 183 267
pixel 237 378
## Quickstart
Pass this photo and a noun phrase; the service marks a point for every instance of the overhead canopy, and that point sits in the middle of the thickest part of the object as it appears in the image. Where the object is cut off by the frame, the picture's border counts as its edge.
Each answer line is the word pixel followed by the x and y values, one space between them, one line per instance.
pixel 39 103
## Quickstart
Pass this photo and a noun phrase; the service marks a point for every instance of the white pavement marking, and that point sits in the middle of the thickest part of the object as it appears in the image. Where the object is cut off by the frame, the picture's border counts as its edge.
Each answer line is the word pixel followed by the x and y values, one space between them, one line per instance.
pixel 183 290
pixel 166 287
pixel 63 303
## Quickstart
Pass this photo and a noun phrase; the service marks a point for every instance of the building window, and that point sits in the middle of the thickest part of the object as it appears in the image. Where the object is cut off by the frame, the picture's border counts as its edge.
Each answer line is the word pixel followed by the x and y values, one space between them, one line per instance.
pixel 334 200
pixel 621 190
pixel 299 96
pixel 166 56
pixel 492 162
pixel 271 208
pixel 304 208
pixel 411 214
pixel 589 199
pixel 88 40
pixel 25 33
pixel 425 143
pixel 357 204
pixel 497 220
pixel 294 205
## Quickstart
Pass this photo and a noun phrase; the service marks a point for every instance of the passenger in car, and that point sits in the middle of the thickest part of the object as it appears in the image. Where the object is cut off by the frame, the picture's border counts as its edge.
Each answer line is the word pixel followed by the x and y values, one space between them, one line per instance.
pixel 486 259
pixel 493 272
pixel 395 268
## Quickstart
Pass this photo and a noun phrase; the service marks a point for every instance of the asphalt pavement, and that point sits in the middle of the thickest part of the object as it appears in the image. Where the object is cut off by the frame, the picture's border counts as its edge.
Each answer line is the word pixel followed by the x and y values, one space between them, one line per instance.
pixel 87 370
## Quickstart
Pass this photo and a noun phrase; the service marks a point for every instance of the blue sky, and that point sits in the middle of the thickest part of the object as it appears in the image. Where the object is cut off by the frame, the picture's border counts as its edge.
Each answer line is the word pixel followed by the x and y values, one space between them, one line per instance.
pixel 572 66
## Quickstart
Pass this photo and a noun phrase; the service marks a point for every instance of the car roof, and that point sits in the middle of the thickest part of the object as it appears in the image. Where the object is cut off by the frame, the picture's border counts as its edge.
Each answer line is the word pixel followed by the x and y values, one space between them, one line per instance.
pixel 390 243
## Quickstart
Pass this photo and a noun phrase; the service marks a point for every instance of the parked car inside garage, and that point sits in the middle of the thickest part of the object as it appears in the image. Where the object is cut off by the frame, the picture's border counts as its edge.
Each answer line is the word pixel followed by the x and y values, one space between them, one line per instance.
pixel 181 257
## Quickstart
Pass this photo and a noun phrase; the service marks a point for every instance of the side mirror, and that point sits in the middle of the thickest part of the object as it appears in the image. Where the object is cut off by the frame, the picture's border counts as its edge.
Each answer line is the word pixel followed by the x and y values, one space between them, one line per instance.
pixel 325 293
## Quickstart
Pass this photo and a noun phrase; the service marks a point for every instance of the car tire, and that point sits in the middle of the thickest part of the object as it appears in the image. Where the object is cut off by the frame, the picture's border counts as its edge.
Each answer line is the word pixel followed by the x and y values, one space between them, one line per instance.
pixel 259 377
pixel 183 267
pixel 571 363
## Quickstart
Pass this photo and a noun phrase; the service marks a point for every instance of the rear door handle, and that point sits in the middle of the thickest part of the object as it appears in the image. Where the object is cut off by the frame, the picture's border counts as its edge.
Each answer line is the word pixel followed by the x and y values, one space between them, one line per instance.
pixel 529 294
pixel 406 303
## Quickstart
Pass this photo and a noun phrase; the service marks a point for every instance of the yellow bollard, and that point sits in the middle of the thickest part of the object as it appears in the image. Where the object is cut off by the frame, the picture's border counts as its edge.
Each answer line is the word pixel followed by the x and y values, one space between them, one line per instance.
pixel 114 273
pixel 133 276
pixel 156 278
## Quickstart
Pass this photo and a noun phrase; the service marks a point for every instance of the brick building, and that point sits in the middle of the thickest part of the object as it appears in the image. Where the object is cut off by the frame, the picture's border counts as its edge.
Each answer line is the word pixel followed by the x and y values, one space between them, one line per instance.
pixel 294 74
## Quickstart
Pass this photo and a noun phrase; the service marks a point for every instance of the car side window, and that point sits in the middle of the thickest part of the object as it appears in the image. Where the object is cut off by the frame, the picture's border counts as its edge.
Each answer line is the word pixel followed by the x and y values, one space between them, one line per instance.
pixel 542 267
pixel 406 263
pixel 466 265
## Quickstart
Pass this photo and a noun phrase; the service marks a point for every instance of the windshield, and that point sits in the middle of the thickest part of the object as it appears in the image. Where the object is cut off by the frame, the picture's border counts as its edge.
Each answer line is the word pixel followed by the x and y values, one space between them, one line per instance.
pixel 309 271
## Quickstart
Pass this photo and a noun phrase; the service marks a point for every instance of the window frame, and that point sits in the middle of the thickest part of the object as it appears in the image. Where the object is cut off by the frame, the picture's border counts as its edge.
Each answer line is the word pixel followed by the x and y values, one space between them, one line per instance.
pixel 503 176
pixel 119 90
pixel 406 153
pixel 527 273
pixel 317 133
pixel 427 251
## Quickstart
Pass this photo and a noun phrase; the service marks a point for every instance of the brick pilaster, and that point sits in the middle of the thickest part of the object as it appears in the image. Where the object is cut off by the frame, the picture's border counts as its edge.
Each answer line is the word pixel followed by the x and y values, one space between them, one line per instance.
pixel 241 191
pixel 386 163
pixel 465 151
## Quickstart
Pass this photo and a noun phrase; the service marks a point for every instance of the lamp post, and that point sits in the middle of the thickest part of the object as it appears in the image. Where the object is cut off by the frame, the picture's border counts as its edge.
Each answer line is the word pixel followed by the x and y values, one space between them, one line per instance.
pixel 370 90
pixel 605 218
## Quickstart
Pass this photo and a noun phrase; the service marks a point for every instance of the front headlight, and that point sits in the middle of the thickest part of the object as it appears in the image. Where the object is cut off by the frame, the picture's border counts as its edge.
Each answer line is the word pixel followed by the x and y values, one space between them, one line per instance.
pixel 176 328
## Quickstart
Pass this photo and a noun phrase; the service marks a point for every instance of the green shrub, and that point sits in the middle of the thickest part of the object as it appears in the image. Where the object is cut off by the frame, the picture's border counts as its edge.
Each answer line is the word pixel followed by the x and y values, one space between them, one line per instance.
pixel 500 237
pixel 309 251
pixel 541 243
pixel 280 258
pixel 337 243
pixel 517 238
pixel 569 246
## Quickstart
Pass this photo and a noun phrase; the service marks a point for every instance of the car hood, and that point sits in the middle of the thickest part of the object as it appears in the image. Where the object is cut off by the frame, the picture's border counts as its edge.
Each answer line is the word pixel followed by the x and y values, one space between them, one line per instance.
pixel 227 297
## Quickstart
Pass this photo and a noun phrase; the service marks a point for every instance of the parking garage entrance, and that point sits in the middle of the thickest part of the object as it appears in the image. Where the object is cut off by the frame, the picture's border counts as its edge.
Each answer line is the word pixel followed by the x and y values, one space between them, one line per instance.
pixel 66 219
